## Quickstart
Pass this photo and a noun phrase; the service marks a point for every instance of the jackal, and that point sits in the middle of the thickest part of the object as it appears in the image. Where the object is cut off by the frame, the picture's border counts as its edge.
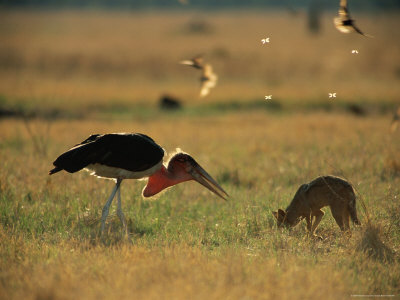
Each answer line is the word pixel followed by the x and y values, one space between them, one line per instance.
pixel 330 191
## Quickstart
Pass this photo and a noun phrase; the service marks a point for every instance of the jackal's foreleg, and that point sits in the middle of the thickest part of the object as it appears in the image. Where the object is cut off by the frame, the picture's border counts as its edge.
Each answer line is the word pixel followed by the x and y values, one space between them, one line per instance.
pixel 318 216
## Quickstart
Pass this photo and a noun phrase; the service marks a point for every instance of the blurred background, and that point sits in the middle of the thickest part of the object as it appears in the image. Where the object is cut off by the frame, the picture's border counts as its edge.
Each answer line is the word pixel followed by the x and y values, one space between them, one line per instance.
pixel 72 68
pixel 83 58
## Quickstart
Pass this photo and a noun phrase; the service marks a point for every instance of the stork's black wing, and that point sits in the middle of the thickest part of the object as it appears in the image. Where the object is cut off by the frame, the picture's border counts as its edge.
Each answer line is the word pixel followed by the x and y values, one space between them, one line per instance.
pixel 134 152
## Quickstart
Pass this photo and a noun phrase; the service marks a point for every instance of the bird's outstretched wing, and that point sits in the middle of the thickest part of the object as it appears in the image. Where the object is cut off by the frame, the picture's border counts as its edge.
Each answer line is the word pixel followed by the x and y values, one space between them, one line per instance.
pixel 196 62
pixel 134 152
pixel 343 10
pixel 356 29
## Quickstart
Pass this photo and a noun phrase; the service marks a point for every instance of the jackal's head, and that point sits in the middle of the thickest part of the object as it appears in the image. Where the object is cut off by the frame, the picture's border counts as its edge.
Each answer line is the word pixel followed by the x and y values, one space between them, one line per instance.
pixel 280 217
pixel 283 220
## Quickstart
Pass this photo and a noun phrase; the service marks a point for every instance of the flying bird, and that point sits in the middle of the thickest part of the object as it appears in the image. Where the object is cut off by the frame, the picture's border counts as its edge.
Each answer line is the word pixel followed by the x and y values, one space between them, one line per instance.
pixel 208 78
pixel 344 23
pixel 122 156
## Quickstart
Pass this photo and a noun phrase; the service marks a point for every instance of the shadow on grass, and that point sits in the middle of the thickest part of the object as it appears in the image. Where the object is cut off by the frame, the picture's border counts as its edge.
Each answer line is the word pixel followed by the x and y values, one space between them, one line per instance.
pixel 372 244
pixel 89 227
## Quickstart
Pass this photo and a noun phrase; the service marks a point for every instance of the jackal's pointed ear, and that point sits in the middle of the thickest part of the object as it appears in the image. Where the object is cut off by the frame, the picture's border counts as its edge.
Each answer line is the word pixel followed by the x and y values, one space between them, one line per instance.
pixel 275 213
pixel 281 212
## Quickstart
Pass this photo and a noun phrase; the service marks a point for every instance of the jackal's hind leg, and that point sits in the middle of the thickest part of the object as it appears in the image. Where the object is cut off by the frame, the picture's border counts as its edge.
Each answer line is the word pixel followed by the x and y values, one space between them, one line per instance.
pixel 346 220
pixel 338 216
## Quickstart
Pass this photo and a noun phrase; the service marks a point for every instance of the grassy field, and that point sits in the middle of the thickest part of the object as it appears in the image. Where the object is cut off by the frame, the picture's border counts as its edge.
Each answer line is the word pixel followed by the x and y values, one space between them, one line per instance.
pixel 66 75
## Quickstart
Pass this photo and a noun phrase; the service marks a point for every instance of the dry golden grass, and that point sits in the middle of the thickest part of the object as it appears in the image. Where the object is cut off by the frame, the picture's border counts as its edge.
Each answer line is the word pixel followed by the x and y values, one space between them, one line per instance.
pixel 178 253
pixel 176 272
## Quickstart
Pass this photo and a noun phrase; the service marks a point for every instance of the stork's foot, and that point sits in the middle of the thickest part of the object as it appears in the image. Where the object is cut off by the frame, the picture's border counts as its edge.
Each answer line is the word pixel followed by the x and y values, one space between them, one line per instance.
pixel 102 226
pixel 101 231
pixel 127 238
pixel 125 233
pixel 122 218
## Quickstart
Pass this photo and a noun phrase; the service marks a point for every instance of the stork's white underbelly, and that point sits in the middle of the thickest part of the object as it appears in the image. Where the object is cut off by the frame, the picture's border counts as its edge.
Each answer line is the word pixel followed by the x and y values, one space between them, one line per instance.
pixel 100 170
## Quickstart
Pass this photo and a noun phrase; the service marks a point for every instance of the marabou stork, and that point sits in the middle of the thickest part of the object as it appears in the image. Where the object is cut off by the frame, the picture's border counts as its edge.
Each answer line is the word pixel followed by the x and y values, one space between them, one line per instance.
pixel 132 156
pixel 208 78
pixel 344 23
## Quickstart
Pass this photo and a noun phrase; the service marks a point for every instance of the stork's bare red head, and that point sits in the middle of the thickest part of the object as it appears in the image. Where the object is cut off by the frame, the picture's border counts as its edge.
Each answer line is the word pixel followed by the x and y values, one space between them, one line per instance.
pixel 182 167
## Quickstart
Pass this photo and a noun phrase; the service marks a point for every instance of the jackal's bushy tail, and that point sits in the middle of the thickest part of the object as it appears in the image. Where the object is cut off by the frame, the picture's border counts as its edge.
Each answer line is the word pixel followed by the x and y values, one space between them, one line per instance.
pixel 353 211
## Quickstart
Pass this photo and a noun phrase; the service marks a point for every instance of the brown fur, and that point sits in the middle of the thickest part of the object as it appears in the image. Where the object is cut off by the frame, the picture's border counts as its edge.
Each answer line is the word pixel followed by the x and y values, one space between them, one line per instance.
pixel 323 191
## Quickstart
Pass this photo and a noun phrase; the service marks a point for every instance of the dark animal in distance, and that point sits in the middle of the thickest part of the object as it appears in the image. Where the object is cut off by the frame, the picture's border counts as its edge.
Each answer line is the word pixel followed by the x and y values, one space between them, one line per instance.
pixel 168 102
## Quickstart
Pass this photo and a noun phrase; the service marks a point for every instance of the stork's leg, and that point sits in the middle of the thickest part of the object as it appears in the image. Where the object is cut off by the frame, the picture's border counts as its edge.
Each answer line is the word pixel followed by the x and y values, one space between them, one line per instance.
pixel 119 211
pixel 106 207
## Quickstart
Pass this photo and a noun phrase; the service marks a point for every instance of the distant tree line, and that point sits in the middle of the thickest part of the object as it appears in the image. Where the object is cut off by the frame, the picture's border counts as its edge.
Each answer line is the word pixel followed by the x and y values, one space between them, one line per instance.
pixel 208 4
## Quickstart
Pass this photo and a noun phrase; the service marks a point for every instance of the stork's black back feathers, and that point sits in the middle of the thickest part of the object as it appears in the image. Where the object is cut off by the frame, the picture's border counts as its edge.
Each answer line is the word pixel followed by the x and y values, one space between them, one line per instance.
pixel 130 151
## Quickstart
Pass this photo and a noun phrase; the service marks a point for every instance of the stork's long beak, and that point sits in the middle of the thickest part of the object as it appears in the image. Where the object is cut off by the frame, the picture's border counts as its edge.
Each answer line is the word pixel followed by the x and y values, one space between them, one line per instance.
pixel 202 177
